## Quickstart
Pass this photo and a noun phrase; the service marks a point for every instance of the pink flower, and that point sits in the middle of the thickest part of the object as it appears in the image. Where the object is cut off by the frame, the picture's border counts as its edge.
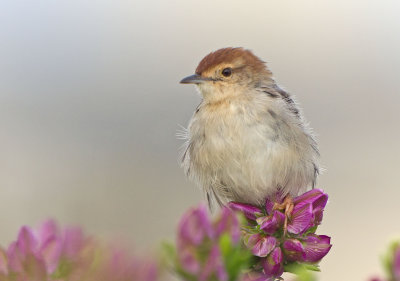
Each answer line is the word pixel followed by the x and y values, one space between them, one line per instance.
pixel 51 254
pixel 293 250
pixel 266 239
pixel 316 247
pixel 195 226
pixel 199 243
pixel 261 245
pixel 34 254
pixel 116 264
pixel 273 264
pixel 391 263
pixel 396 263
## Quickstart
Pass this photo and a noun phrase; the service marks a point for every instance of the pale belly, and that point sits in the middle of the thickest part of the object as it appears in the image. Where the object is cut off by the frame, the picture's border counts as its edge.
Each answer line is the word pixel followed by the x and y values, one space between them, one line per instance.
pixel 248 163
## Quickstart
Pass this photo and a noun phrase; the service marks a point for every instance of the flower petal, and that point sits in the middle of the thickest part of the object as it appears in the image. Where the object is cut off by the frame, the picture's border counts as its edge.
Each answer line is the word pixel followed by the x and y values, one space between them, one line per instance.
pixel 195 226
pixel 273 263
pixel 25 262
pixel 47 230
pixel 309 196
pixel 316 197
pixel 325 239
pixel 302 219
pixel 14 259
pixel 73 242
pixel 228 223
pixel 188 260
pixel 26 241
pixel 396 263
pixel 34 268
pixel 318 215
pixel 251 212
pixel 214 265
pixel 316 247
pixel 51 252
pixel 320 201
pixel 260 245
pixel 293 250
pixel 270 224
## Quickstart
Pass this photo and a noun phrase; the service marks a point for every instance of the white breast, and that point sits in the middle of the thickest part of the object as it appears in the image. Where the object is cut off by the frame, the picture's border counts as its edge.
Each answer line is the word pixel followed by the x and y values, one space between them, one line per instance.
pixel 245 153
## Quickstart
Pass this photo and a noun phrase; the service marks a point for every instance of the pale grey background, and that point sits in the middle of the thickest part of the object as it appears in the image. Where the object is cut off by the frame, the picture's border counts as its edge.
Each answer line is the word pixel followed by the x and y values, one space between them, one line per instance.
pixel 90 104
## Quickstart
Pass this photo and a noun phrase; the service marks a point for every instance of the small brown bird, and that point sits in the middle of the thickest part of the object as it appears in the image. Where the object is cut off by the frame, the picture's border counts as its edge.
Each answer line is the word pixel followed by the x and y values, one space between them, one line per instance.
pixel 247 140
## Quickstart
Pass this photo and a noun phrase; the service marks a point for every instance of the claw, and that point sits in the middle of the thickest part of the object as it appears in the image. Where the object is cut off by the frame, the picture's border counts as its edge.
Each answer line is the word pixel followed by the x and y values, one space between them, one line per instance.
pixel 288 206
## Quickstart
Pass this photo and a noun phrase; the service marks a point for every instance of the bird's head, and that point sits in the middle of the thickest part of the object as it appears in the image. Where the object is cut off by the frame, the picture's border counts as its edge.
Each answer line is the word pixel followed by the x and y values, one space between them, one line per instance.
pixel 229 71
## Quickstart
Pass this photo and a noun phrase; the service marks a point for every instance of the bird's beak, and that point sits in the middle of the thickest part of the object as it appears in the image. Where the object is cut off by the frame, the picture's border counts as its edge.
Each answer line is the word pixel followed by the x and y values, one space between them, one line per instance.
pixel 194 79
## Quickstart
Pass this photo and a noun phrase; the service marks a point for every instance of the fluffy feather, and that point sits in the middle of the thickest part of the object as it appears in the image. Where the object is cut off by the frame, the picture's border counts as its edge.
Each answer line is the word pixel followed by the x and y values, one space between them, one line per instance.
pixel 247 139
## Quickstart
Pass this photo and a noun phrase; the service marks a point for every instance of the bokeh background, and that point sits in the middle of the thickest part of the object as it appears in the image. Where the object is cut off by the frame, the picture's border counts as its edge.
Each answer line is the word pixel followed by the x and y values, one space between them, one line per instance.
pixel 90 105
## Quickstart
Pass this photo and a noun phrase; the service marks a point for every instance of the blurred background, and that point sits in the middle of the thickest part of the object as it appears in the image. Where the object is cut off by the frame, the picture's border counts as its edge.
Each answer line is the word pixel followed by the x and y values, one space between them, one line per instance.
pixel 90 105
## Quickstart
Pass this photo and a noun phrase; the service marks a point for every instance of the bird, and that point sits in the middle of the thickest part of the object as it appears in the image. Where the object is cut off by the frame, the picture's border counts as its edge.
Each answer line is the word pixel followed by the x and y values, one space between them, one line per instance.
pixel 247 140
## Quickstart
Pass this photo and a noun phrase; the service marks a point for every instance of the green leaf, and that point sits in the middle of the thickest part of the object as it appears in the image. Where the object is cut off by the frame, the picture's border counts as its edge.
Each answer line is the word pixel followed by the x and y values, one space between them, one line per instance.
pixel 170 260
pixel 168 250
pixel 185 276
pixel 236 258
pixel 169 257
pixel 311 230
pixel 302 270
pixel 387 259
pixel 225 244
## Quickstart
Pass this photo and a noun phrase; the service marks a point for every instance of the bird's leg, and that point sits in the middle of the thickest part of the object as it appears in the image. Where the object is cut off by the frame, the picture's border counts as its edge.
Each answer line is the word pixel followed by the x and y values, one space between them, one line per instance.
pixel 288 206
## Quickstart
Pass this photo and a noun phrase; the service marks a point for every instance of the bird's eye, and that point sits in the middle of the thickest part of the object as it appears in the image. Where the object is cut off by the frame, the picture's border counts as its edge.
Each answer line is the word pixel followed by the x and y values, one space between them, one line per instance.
pixel 227 72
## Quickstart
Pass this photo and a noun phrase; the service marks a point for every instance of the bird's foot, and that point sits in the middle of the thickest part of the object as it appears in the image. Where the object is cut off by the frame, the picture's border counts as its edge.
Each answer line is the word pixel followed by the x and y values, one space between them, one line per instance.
pixel 288 206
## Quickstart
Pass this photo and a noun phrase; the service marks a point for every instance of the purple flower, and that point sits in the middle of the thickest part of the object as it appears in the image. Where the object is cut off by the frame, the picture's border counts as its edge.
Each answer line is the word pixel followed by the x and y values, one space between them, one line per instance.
pixel 198 241
pixel 266 237
pixel 49 253
pixel 251 212
pixel 193 231
pixel 188 258
pixel 302 219
pixel 195 226
pixel 118 264
pixel 228 223
pixel 261 245
pixel 396 263
pixel 391 263
pixel 25 257
pixel 294 250
pixel 273 264
pixel 317 198
pixel 270 224
pixel 214 265
pixel 316 247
